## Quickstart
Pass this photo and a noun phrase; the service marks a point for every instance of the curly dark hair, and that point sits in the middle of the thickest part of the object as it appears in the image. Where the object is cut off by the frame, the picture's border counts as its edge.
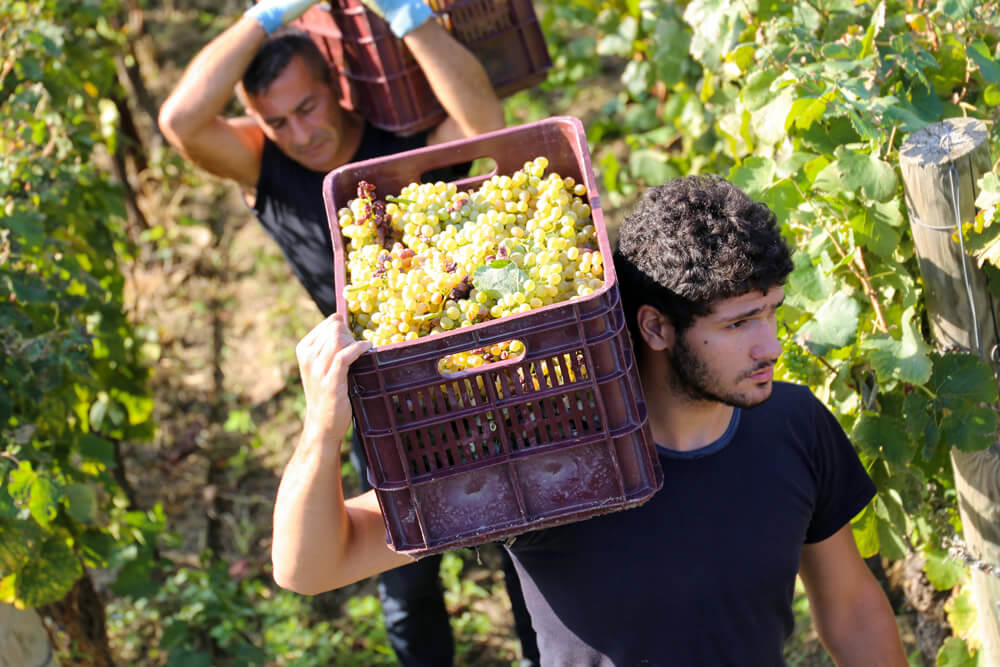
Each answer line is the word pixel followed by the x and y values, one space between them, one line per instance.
pixel 274 55
pixel 691 242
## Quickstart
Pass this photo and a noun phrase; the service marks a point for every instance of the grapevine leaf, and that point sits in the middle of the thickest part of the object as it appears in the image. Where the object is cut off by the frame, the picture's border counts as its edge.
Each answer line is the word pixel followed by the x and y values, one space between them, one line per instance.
pixel 883 435
pixel 880 239
pixel 804 112
pixel 961 379
pixel 979 53
pixel 782 198
pixel 18 539
pixel 957 9
pixel 954 652
pixel 715 24
pixel 907 359
pixel 891 544
pixel 651 166
pixel 961 612
pixel 810 284
pixel 39 492
pixel 499 278
pixel 969 430
pixel 885 213
pixel 755 174
pixel 867 174
pixel 50 576
pixel 136 578
pixel 619 43
pixel 991 96
pixel 989 191
pixel 876 25
pixel 672 43
pixel 97 449
pixel 757 91
pixel 917 414
pixel 636 77
pixel 908 116
pixel 943 572
pixel 889 507
pixel 865 529
pixel 81 502
pixel 768 122
pixel 834 325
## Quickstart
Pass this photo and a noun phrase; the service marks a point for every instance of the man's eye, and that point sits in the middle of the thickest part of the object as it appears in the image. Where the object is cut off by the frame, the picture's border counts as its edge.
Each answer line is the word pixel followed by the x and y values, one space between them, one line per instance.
pixel 737 324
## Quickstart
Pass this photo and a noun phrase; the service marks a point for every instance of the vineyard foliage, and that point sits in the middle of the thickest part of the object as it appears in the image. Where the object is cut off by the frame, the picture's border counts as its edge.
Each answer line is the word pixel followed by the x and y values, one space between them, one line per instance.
pixel 805 105
pixel 73 383
pixel 802 104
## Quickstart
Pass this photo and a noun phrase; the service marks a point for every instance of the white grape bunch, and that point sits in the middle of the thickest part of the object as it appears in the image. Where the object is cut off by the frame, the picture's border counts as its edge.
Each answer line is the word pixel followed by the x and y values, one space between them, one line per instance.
pixel 434 258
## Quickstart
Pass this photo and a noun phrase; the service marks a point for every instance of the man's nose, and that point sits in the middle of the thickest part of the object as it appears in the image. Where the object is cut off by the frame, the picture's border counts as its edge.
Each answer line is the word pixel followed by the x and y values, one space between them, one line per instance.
pixel 300 132
pixel 767 346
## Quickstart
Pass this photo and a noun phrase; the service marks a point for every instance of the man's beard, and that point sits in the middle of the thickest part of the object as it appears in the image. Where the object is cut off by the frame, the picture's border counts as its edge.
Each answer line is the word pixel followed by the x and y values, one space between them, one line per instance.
pixel 691 377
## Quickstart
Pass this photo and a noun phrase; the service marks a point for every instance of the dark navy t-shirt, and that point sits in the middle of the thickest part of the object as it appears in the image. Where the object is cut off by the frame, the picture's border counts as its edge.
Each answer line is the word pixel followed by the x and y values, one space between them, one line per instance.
pixel 704 572
pixel 290 206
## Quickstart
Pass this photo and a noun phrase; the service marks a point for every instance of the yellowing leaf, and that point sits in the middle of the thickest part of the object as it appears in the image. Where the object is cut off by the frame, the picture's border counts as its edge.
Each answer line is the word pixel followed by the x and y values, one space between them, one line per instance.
pixel 90 89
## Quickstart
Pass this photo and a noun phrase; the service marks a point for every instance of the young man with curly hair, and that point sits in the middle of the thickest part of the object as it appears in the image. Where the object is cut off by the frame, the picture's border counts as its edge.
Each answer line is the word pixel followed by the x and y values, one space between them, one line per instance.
pixel 760 481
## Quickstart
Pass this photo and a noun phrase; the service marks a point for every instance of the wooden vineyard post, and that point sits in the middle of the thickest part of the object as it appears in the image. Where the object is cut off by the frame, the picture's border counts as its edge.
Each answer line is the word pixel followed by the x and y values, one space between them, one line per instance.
pixel 940 165
pixel 24 641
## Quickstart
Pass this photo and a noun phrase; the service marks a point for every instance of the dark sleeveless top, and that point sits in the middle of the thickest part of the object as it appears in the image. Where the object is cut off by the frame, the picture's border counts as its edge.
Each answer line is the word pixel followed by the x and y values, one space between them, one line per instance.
pixel 290 206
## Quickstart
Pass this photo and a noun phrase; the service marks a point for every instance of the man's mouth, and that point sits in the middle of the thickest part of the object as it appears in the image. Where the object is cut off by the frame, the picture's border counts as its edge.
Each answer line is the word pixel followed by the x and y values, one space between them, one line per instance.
pixel 762 374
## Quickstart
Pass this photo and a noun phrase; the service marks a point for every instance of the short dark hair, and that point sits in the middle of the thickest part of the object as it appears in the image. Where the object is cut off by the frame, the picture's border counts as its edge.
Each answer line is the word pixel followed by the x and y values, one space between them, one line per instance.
pixel 274 55
pixel 692 242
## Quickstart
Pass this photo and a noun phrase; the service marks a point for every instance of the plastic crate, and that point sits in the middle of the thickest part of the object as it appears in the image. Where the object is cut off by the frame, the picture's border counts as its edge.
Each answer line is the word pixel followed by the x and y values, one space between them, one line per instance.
pixel 379 78
pixel 481 455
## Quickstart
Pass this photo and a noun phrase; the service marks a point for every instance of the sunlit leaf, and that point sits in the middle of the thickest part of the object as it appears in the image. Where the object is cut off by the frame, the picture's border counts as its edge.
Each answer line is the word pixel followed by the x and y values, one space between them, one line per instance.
pixel 834 325
pixel 943 572
pixel 970 429
pixel 865 529
pixel 51 575
pixel 907 359
pixel 961 379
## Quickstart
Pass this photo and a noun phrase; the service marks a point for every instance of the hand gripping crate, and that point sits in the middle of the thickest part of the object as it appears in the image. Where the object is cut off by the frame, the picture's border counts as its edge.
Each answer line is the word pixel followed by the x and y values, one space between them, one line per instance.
pixel 556 435
pixel 379 78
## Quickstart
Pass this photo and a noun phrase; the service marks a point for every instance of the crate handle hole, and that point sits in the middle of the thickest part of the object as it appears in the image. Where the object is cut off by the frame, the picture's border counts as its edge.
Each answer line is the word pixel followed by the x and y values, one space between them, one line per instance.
pixel 488 357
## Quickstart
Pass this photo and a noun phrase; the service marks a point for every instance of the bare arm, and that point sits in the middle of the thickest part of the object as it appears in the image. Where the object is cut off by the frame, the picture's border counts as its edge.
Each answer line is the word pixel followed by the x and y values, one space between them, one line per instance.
pixel 459 82
pixel 850 611
pixel 191 117
pixel 320 541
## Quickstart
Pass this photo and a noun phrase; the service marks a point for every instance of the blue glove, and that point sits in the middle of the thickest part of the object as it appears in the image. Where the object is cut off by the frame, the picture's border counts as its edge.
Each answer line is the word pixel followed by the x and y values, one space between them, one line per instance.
pixel 272 14
pixel 401 15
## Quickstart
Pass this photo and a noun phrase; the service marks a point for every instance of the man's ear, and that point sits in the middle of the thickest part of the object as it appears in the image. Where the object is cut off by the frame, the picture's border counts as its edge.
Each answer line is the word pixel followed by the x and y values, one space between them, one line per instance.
pixel 655 328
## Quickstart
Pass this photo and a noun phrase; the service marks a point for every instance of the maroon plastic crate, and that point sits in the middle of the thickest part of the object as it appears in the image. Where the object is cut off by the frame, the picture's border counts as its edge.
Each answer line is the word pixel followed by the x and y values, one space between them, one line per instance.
pixel 461 459
pixel 379 78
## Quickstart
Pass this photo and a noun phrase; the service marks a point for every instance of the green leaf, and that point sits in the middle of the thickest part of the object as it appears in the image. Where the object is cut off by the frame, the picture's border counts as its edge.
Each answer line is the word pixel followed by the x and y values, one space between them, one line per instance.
pixel 871 234
pixel 51 575
pixel 970 429
pixel 753 176
pixel 889 508
pixel 979 53
pixel 960 379
pixel 757 91
pixel 834 325
pixel 917 414
pixel 891 544
pixel 943 572
pixel 957 9
pixel 651 166
pixel 81 502
pixel 39 492
pixel 620 43
pixel 135 578
pixel 782 198
pixel 865 529
pixel 804 112
pixel 809 284
pixel 98 449
pixel 715 25
pixel 867 174
pixel 174 635
pixel 28 227
pixel 876 25
pixel 768 121
pixel 955 653
pixel 636 78
pixel 883 436
pixel 907 359
pixel 961 613
pixel 18 541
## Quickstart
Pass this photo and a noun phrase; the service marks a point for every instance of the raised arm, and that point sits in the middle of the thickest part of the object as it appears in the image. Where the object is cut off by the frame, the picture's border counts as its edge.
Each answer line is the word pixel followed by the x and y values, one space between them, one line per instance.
pixel 459 82
pixel 191 117
pixel 457 78
pixel 850 611
pixel 320 541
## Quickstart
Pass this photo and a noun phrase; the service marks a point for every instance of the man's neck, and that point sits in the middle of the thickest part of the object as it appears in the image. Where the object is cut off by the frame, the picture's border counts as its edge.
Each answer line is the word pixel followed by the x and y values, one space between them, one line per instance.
pixel 678 421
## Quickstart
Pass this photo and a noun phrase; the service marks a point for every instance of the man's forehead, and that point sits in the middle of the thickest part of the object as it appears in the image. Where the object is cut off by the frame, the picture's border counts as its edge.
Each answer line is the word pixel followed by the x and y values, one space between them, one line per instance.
pixel 754 299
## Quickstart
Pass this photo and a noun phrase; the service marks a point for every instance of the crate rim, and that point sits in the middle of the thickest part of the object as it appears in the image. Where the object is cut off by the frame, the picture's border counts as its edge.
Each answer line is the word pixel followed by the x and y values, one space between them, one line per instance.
pixel 593 200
